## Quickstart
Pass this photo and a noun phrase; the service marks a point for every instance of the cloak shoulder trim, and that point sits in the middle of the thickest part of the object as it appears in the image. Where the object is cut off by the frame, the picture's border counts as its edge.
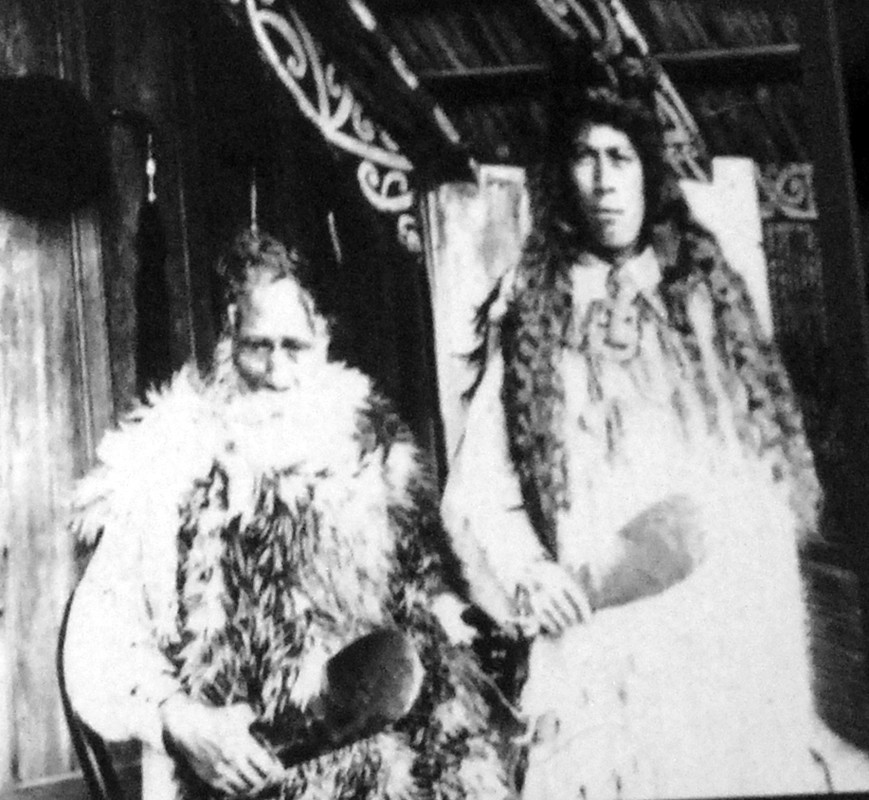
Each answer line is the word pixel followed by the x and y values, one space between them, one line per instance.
pixel 147 460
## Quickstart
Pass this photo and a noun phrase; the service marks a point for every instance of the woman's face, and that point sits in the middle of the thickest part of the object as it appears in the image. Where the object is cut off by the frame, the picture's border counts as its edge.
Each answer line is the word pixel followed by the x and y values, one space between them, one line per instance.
pixel 607 173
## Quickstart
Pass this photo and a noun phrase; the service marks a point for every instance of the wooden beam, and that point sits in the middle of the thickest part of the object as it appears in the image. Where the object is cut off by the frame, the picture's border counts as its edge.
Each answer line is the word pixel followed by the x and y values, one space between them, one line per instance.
pixel 774 63
pixel 486 83
pixel 387 7
pixel 742 65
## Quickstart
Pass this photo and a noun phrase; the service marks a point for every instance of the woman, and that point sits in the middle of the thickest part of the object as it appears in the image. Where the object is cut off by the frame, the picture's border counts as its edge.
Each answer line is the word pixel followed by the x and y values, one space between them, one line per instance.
pixel 632 486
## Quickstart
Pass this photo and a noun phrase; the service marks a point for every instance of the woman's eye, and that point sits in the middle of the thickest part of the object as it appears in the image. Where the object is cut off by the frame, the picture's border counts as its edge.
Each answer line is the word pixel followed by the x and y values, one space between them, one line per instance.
pixel 257 346
pixel 291 347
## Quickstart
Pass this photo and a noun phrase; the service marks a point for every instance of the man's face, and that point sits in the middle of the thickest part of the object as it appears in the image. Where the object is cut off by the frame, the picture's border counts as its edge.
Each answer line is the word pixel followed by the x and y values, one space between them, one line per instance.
pixel 608 175
pixel 273 337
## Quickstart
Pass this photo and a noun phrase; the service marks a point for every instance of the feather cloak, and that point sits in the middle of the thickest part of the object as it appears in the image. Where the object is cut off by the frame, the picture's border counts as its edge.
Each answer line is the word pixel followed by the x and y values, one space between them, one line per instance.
pixel 272 531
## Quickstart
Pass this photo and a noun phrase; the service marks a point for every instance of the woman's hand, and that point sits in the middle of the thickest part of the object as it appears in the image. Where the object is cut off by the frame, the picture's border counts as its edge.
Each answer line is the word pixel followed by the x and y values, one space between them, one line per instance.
pixel 217 745
pixel 549 599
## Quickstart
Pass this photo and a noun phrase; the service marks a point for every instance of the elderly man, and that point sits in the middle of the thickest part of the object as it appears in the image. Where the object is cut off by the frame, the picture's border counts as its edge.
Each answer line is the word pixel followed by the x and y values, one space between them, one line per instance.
pixel 248 526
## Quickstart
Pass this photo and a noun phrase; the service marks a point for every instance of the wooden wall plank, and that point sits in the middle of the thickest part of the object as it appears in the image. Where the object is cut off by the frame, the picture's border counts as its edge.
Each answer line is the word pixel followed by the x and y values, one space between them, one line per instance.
pixel 53 394
pixel 95 408
pixel 27 44
pixel 54 402
pixel 40 454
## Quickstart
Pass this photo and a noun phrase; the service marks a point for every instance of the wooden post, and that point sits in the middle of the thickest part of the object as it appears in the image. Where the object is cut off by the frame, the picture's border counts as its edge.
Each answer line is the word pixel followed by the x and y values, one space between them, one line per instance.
pixel 843 277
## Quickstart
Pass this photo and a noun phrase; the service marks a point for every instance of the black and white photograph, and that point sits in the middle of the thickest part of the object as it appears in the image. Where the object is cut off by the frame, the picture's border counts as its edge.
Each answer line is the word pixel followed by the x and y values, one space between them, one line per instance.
pixel 434 399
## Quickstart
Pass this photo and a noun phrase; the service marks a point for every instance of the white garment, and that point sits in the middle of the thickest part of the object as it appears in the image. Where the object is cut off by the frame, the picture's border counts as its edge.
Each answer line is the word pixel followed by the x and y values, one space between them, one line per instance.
pixel 705 688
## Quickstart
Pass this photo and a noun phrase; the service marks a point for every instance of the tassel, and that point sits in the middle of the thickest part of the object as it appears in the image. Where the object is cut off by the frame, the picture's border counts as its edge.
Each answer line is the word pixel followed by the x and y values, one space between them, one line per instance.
pixel 153 351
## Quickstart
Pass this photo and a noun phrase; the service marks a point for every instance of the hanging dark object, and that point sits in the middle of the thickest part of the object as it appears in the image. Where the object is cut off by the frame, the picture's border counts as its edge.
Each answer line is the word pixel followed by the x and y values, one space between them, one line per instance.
pixel 154 321
pixel 53 154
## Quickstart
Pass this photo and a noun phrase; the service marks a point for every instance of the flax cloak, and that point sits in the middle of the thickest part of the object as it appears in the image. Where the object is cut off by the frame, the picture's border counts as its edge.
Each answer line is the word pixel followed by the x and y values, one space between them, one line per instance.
pixel 243 539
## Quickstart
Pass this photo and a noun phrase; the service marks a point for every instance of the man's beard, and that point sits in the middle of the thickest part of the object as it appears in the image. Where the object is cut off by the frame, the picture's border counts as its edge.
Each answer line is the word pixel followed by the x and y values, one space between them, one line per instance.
pixel 262 406
pixel 313 422
pixel 256 405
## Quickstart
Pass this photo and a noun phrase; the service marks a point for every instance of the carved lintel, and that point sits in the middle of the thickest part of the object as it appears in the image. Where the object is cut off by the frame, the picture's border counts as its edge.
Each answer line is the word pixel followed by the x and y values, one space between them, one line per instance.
pixel 329 103
pixel 386 190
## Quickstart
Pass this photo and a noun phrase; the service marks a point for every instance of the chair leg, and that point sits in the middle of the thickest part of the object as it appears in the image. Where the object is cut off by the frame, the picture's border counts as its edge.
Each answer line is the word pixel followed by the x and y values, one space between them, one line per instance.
pixel 93 755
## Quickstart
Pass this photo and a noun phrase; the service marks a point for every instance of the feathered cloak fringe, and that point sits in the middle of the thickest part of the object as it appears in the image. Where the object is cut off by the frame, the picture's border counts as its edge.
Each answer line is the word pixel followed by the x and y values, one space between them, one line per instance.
pixel 297 525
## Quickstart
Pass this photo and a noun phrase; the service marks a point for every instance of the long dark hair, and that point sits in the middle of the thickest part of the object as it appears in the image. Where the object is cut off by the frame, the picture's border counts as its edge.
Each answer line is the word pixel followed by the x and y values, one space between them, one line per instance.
pixel 553 193
pixel 534 330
